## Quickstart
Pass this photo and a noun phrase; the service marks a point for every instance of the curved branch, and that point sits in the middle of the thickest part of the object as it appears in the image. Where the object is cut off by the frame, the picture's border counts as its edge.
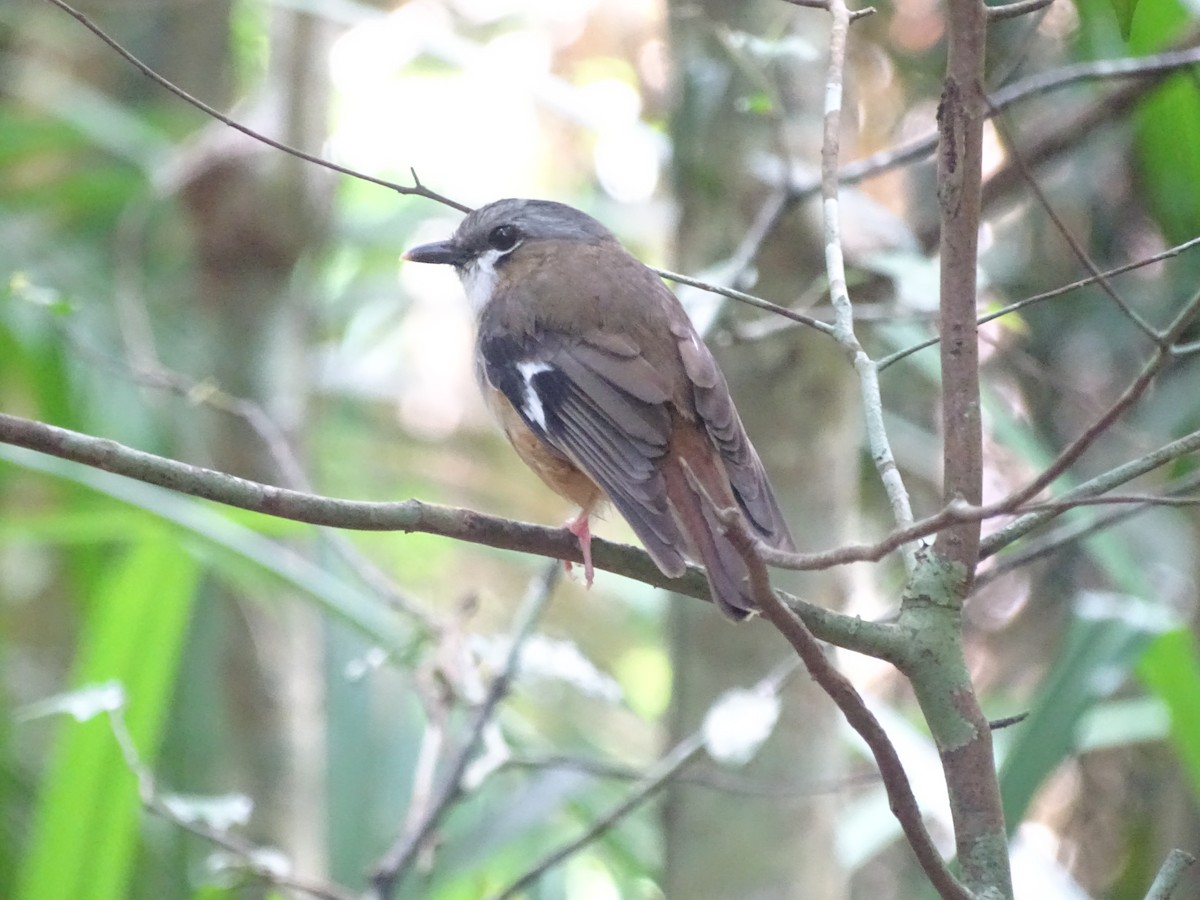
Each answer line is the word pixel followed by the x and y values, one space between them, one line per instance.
pixel 417 190
pixel 407 516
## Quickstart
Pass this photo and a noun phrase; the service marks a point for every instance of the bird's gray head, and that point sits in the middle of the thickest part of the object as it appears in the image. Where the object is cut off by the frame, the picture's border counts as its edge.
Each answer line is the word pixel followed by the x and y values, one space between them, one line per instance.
pixel 490 234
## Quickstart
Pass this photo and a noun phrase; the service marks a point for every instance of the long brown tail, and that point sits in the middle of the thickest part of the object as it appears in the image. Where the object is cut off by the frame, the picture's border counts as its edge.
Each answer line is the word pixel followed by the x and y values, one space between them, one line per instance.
pixel 691 453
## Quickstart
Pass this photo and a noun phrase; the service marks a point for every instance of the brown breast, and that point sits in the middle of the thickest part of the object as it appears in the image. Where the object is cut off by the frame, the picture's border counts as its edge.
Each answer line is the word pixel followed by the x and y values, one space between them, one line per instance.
pixel 560 474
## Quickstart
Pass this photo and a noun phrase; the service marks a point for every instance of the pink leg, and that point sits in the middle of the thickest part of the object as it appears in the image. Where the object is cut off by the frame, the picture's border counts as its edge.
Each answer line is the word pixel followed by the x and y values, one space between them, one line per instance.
pixel 578 526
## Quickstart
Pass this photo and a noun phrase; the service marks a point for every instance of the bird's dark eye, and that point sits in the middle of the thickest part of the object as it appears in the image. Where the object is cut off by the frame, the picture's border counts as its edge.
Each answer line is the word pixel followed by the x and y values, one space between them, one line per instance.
pixel 504 237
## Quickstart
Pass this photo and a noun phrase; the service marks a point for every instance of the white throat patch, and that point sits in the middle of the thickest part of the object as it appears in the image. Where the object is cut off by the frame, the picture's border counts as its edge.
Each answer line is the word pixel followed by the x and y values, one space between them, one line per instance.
pixel 479 278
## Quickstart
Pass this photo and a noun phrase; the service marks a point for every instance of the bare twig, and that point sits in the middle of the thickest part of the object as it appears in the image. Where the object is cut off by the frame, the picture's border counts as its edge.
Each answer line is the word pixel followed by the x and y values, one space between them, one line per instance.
pixel 417 190
pixel 1154 64
pixel 1162 356
pixel 1012 10
pixel 876 164
pixel 826 5
pixel 1152 68
pixel 655 779
pixel 1170 252
pixel 748 299
pixel 868 376
pixel 1077 248
pixel 249 857
pixel 1096 486
pixel 398 860
pixel 1007 721
pixel 714 779
pixel 1070 533
pixel 1169 876
pixel 149 372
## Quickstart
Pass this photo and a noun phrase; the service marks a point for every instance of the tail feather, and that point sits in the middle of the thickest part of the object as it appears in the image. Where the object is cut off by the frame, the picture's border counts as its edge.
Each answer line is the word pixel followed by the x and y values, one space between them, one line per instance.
pixel 690 454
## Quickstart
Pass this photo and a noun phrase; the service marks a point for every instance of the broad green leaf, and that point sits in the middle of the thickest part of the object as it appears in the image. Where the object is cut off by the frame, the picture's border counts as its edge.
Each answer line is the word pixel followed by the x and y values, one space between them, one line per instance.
pixel 344 600
pixel 1168 128
pixel 1105 637
pixel 1170 668
pixel 85 836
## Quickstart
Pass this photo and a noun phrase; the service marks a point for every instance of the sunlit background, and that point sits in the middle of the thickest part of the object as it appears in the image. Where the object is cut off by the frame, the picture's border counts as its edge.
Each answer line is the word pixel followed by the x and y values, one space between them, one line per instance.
pixel 177 287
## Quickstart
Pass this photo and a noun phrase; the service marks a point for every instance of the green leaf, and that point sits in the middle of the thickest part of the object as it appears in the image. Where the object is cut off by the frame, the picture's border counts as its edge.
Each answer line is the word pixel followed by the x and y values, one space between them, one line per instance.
pixel 1168 128
pixel 217 528
pixel 1170 668
pixel 1124 10
pixel 86 822
pixel 1106 636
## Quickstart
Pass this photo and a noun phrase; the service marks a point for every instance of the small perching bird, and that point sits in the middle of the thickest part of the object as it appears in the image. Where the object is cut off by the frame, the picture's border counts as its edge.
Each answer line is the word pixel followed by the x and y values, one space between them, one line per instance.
pixel 606 390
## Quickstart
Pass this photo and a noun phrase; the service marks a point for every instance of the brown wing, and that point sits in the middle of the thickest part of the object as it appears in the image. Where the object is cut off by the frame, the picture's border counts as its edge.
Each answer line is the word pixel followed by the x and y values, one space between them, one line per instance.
pixel 598 404
pixel 715 409
pixel 647 418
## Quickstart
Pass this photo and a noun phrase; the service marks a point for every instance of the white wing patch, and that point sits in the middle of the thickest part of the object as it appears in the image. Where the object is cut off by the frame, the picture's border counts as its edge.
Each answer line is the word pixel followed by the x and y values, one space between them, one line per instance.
pixel 532 404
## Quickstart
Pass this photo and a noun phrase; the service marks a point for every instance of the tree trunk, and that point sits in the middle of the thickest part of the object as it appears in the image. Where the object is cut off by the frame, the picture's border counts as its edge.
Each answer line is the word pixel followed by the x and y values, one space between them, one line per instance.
pixel 796 396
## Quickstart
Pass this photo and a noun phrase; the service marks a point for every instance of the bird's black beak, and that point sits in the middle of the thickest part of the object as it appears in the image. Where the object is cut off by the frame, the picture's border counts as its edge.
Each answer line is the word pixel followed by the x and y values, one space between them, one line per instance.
pixel 448 253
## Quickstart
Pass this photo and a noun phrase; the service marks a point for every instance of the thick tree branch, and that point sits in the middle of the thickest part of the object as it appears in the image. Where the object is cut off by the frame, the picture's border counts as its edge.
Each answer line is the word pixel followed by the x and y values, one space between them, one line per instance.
pixel 960 153
pixel 934 596
pixel 407 516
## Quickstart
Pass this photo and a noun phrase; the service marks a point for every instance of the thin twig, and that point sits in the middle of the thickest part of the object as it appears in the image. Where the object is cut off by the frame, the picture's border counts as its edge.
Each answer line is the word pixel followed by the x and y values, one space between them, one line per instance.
pixel 1162 356
pixel 655 779
pixel 1170 252
pixel 398 860
pixel 151 373
pixel 1060 226
pixel 1153 66
pixel 779 204
pixel 748 299
pixel 249 857
pixel 1169 876
pixel 1101 69
pixel 864 367
pixel 714 779
pixel 1094 487
pixel 1070 533
pixel 417 190
pixel 1012 10
pixel 825 5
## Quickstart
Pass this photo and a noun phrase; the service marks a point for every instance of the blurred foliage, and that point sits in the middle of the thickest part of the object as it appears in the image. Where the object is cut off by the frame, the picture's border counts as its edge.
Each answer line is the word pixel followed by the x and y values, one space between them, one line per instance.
pixel 103 579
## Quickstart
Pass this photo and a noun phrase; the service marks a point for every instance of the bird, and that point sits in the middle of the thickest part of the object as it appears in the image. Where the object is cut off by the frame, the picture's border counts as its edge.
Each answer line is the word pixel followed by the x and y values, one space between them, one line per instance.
pixel 606 390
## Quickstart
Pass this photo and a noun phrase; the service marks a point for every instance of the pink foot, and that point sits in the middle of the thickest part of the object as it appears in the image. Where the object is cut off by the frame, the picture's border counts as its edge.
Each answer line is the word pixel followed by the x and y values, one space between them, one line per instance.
pixel 579 527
